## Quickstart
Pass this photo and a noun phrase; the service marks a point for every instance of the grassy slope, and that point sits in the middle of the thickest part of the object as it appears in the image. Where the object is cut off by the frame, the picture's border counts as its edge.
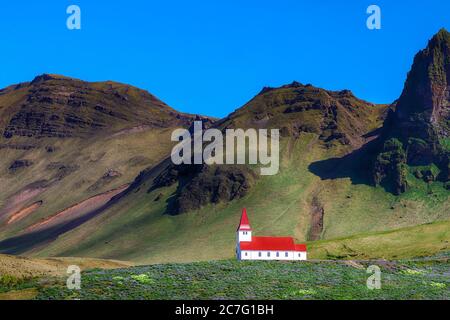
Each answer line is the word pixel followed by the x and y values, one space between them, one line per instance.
pixel 417 241
pixel 136 230
pixel 94 157
pixel 20 276
pixel 26 268
pixel 90 154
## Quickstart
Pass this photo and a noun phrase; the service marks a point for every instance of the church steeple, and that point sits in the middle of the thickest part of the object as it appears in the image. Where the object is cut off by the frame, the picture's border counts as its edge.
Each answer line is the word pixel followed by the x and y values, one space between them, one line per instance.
pixel 244 231
pixel 244 225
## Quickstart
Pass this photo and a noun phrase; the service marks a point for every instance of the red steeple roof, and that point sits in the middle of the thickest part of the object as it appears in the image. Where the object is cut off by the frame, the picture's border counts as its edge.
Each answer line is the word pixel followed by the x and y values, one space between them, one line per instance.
pixel 244 225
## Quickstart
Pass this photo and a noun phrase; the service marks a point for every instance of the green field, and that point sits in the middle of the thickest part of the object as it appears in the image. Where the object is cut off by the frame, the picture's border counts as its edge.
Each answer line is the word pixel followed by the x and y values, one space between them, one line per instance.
pixel 403 279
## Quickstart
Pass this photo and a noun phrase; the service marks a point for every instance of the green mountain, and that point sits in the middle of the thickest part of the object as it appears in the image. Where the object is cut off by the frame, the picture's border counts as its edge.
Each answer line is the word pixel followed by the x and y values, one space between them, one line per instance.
pixel 68 146
pixel 342 166
pixel 338 120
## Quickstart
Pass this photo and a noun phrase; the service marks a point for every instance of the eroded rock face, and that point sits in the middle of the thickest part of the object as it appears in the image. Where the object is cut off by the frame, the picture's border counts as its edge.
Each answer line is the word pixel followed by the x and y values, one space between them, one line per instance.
pixel 215 185
pixel 54 110
pixel 420 124
pixel 199 185
pixel 426 96
pixel 336 116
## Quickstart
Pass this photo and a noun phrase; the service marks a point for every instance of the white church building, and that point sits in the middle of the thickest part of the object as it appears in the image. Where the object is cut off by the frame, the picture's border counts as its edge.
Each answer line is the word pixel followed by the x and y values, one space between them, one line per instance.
pixel 249 247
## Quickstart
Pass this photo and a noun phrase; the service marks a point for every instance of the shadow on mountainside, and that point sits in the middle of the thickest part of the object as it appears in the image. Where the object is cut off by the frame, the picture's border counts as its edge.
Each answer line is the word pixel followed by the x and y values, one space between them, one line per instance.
pixel 356 165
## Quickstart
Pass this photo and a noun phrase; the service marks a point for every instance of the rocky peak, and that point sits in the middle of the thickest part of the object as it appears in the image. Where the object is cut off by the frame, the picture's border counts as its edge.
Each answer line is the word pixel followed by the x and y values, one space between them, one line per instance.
pixel 337 117
pixel 426 94
pixel 415 134
pixel 46 77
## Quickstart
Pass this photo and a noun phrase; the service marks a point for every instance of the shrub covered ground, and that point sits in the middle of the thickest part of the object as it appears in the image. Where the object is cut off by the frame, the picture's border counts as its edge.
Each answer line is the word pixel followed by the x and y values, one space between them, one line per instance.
pixel 426 278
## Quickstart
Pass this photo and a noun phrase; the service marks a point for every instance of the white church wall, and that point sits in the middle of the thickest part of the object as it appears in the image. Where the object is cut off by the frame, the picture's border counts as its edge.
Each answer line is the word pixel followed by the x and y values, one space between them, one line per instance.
pixel 300 256
pixel 272 255
pixel 244 236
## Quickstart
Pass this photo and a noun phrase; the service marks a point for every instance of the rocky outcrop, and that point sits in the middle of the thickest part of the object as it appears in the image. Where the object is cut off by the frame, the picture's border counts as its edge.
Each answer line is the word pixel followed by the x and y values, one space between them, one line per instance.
pixel 425 100
pixel 415 133
pixel 215 185
pixel 199 185
pixel 20 164
pixel 336 116
pixel 390 167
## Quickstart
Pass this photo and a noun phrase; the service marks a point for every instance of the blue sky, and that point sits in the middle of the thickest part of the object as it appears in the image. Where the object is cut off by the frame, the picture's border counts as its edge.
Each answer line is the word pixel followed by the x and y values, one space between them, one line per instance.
pixel 211 57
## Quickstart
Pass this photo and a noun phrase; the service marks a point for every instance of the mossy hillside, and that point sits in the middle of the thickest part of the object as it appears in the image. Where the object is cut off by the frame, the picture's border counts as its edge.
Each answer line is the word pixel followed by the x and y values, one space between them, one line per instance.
pixel 390 166
pixel 397 166
pixel 417 241
pixel 137 229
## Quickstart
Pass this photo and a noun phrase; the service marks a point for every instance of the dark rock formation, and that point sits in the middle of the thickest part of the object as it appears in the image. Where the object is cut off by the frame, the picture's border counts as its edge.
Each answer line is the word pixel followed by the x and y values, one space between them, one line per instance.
pixel 20 164
pixel 390 167
pixel 215 185
pixel 421 120
pixel 425 98
pixel 199 185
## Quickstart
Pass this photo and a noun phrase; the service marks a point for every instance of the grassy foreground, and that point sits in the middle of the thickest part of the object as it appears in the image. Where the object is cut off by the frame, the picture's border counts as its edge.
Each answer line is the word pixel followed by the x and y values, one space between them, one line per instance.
pixel 426 278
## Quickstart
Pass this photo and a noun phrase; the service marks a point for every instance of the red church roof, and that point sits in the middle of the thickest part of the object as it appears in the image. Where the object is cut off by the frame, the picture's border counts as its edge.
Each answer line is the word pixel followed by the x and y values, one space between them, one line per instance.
pixel 267 243
pixel 300 247
pixel 272 244
pixel 244 225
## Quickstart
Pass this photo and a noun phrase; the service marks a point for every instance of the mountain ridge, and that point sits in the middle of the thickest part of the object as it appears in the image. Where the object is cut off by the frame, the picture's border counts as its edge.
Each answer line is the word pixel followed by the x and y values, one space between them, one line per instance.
pixel 54 105
pixel 329 143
